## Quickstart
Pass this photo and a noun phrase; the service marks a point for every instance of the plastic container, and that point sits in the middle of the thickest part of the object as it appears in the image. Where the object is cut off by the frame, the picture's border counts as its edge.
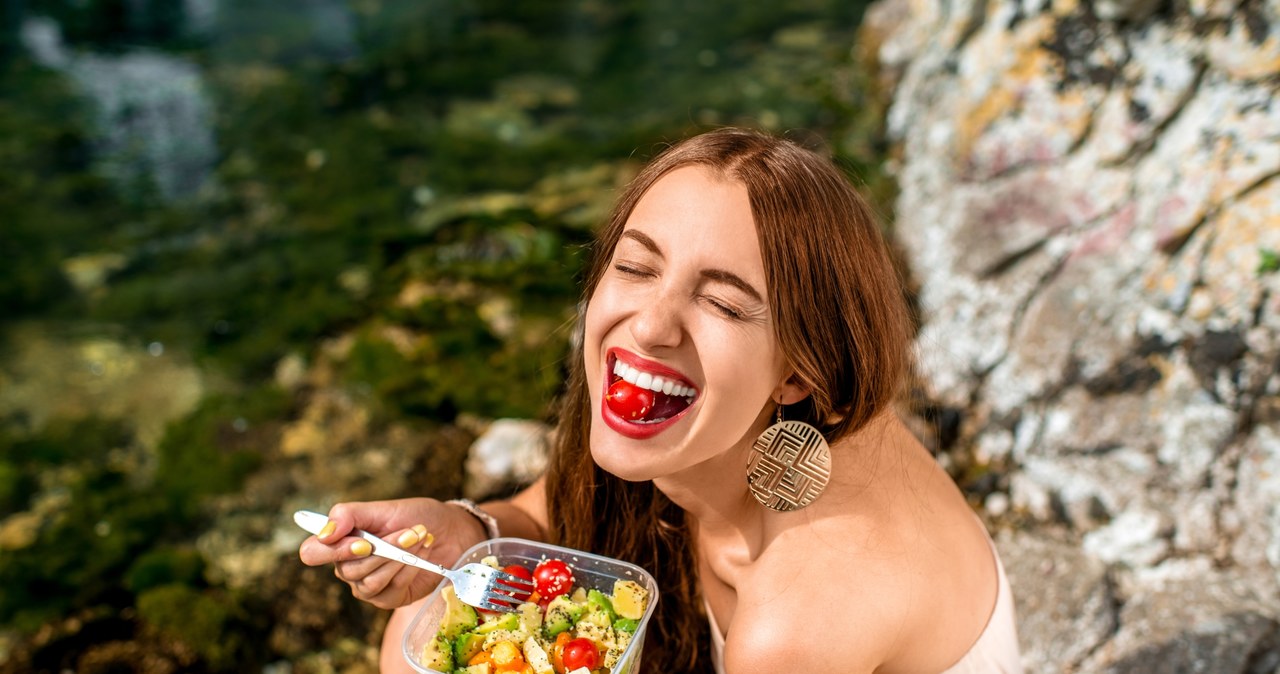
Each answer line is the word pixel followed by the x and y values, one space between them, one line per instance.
pixel 592 572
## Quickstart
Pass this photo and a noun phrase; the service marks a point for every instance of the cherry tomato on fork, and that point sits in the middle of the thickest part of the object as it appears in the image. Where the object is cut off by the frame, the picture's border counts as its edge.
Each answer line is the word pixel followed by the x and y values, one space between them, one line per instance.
pixel 552 578
pixel 628 400
pixel 519 572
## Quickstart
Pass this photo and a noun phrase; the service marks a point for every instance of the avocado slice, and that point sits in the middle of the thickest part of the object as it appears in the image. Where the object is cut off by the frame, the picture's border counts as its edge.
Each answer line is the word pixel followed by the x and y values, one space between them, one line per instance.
pixel 562 615
pixel 596 598
pixel 438 655
pixel 627 625
pixel 458 617
pixel 507 621
pixel 466 646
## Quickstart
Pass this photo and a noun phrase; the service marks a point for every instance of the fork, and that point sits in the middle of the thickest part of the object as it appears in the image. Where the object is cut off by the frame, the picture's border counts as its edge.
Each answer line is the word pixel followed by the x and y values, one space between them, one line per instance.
pixel 475 584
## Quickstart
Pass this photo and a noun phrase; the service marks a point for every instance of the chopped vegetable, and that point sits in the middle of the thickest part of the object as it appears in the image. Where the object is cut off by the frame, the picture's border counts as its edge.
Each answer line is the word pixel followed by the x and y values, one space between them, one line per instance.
pixel 560 629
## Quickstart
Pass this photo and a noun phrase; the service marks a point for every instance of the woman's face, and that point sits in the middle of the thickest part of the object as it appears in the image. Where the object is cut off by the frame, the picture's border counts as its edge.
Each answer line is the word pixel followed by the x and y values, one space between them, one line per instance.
pixel 681 357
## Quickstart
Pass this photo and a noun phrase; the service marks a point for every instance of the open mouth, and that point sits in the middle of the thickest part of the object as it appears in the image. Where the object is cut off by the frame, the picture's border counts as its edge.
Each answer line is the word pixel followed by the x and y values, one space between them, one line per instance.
pixel 642 394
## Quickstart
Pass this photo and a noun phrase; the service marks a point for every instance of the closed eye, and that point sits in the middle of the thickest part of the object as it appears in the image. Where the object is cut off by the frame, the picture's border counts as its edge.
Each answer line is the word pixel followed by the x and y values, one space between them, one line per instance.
pixel 724 309
pixel 630 270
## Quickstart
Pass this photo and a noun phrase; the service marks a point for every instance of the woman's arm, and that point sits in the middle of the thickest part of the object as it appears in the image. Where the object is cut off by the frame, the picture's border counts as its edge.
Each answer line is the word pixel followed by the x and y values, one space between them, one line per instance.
pixel 521 516
pixel 391 660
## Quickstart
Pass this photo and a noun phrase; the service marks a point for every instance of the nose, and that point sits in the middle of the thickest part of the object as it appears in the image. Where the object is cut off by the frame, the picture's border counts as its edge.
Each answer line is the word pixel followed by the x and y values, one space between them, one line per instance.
pixel 658 323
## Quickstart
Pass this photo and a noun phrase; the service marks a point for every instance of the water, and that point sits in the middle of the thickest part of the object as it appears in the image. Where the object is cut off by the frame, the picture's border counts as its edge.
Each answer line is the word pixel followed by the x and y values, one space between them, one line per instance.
pixel 152 120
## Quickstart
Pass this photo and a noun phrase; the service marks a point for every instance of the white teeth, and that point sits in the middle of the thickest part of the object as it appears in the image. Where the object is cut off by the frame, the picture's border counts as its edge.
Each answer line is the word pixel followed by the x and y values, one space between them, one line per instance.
pixel 649 381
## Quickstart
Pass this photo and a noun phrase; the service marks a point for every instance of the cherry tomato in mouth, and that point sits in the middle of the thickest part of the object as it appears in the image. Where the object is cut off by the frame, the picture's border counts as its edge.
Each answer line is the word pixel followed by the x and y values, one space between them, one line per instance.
pixel 628 400
pixel 552 578
pixel 580 652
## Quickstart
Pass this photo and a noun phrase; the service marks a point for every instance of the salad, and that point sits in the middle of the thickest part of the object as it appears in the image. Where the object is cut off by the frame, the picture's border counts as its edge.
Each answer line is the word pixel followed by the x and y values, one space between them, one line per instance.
pixel 559 628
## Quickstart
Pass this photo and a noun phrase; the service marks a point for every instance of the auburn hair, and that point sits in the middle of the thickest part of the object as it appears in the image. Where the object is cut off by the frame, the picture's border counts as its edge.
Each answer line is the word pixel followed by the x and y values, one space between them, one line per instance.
pixel 841 318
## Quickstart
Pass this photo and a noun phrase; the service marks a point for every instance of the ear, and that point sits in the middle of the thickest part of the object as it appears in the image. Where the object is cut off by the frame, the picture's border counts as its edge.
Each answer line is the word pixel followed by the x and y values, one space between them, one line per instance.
pixel 790 391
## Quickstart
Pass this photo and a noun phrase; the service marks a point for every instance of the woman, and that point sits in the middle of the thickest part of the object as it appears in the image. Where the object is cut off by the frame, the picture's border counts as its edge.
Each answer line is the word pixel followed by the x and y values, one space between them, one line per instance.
pixel 748 278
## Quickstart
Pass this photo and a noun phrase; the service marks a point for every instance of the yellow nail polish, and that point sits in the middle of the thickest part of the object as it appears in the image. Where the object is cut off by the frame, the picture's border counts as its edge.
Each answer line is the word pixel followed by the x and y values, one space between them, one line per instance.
pixel 408 538
pixel 328 529
pixel 362 548
pixel 421 529
pixel 428 540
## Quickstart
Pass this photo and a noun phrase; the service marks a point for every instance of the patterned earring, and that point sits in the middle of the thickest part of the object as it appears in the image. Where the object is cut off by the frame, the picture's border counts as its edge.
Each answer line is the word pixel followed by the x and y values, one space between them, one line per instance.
pixel 790 465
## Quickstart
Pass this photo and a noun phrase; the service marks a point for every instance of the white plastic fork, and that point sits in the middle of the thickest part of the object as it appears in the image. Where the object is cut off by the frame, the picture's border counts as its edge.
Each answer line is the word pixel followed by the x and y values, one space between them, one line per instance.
pixel 475 584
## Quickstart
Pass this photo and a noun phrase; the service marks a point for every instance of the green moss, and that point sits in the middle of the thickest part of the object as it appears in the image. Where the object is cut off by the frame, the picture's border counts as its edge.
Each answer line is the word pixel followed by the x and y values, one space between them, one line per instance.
pixel 211 451
pixel 209 622
pixel 16 485
pixel 86 500
pixel 166 565
pixel 1268 261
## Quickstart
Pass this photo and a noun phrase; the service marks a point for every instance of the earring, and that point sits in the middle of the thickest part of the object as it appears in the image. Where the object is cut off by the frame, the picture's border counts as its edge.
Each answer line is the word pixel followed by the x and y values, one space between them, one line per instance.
pixel 790 465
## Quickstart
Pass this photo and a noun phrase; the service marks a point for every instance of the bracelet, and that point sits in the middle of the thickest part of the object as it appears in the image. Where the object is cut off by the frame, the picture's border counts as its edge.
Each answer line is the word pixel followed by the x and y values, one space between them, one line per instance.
pixel 490 524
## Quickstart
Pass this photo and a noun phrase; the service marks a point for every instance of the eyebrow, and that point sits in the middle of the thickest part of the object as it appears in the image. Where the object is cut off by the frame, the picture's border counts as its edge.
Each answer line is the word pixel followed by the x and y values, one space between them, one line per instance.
pixel 719 275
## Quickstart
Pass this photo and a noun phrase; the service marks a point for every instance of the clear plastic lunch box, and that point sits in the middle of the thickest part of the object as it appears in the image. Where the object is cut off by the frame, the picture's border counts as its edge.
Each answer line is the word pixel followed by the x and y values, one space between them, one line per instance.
pixel 592 572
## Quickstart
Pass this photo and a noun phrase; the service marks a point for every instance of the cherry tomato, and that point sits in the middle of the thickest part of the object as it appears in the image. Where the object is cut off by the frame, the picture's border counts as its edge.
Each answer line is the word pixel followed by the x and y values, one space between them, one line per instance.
pixel 580 652
pixel 519 572
pixel 552 578
pixel 628 400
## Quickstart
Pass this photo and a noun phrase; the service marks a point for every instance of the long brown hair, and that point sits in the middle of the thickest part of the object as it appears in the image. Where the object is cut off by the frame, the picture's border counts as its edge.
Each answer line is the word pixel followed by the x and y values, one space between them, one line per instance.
pixel 841 318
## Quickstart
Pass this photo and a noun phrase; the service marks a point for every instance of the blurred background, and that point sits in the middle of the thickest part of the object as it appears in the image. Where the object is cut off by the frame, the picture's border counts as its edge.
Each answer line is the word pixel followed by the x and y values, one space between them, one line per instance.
pixel 257 257
pixel 267 255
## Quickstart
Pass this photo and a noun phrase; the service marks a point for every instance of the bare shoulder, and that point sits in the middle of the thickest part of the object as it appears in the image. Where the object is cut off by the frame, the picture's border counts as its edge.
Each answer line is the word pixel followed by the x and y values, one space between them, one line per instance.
pixel 814 610
pixel 908 587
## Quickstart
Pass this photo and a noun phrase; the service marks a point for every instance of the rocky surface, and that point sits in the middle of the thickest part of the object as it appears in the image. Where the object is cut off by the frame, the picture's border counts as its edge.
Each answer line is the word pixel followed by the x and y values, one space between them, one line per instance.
pixel 1090 204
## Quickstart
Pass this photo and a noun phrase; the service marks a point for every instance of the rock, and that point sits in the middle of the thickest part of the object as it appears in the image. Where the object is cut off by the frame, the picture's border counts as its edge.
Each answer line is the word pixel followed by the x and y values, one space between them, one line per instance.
pixel 1213 624
pixel 1088 201
pixel 1257 500
pixel 291 371
pixel 19 530
pixel 46 375
pixel 1136 538
pixel 1242 50
pixel 89 272
pixel 1087 490
pixel 1125 10
pixel 510 452
pixel 1063 600
pixel 330 423
pixel 1158 79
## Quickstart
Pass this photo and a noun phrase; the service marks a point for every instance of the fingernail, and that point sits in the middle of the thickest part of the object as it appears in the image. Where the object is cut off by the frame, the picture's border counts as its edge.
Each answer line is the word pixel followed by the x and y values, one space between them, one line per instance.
pixel 430 538
pixel 408 538
pixel 362 548
pixel 421 529
pixel 328 529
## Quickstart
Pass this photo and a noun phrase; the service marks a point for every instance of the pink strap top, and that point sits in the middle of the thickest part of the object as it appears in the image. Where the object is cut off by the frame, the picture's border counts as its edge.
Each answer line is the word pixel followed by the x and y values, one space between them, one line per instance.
pixel 995 651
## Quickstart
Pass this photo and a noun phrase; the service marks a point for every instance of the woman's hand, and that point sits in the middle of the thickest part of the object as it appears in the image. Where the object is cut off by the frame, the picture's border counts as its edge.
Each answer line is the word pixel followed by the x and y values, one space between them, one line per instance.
pixel 426 527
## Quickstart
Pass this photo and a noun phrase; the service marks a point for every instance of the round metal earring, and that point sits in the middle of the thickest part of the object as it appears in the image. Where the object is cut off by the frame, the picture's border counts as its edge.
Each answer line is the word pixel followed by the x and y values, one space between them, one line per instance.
pixel 790 465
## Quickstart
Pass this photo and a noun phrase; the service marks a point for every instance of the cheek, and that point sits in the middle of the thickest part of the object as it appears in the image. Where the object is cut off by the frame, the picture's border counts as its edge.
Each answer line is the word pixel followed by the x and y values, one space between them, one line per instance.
pixel 595 325
pixel 604 310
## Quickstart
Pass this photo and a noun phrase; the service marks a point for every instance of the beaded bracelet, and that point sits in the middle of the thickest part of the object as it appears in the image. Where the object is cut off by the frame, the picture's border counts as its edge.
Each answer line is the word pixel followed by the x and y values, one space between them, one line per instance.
pixel 490 524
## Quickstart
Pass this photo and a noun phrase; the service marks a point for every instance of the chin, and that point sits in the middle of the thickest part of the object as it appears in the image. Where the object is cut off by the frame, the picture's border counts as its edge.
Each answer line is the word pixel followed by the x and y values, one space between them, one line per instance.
pixel 630 463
